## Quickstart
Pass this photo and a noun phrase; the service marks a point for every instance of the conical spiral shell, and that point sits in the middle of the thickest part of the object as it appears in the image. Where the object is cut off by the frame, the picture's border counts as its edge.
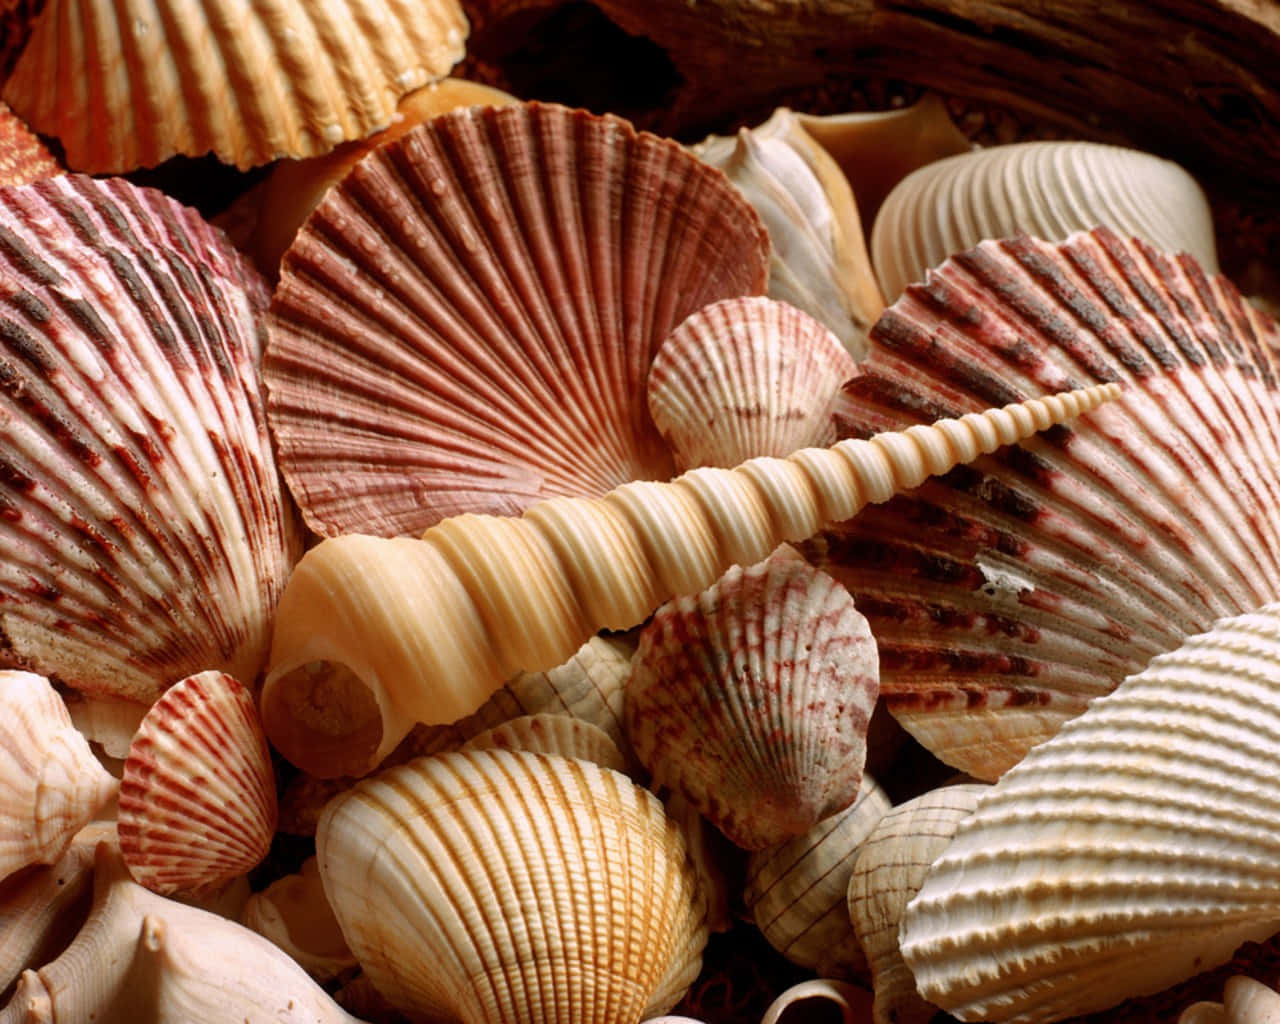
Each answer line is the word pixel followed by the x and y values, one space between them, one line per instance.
pixel 1138 846
pixel 496 886
pixel 355 665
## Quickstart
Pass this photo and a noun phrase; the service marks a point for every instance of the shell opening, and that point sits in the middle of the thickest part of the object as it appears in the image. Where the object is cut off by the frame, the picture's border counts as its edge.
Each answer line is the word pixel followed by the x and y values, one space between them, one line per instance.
pixel 323 713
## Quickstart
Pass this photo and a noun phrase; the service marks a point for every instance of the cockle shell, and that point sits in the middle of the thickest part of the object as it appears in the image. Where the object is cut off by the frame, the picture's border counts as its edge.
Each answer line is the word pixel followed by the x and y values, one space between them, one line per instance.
pixel 552 734
pixel 1046 189
pixel 198 798
pixel 752 699
pixel 294 913
pixel 375 634
pixel 1137 847
pixel 466 321
pixel 125 84
pixel 797 891
pixel 51 785
pixel 145 536
pixel 745 377
pixel 1006 595
pixel 495 886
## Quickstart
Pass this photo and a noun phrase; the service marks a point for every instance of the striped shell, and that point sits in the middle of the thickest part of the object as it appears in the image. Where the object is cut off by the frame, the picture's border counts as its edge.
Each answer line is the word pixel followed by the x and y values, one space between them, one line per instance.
pixel 552 734
pixel 466 321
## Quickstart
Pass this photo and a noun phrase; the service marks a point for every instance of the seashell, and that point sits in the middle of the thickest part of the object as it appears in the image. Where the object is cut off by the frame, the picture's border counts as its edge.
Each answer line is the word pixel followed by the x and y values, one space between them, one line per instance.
pixel 142 957
pixel 1203 1013
pixel 352 669
pixel 111 724
pixel 23 157
pixel 1137 847
pixel 470 902
pixel 1046 189
pixel 752 699
pixel 464 325
pixel 552 734
pixel 714 858
pixel 797 1004
pixel 889 869
pixel 128 85
pixel 746 377
pixel 295 915
pixel 1247 1001
pixel 796 891
pixel 819 262
pixel 1005 596
pixel 145 536
pixel 51 785
pixel 198 797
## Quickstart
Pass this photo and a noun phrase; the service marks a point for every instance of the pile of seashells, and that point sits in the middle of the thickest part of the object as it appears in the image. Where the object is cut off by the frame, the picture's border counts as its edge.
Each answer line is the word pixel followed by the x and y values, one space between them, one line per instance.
pixel 573 539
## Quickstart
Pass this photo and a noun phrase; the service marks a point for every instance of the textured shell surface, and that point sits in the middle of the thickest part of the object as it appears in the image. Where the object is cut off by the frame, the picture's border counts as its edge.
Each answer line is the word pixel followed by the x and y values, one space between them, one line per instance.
pixel 466 321
pixel 128 84
pixel 198 796
pixel 23 157
pixel 51 785
pixel 1007 594
pixel 491 885
pixel 745 377
pixel 1135 848
pixel 752 699
pixel 552 734
pixel 145 535
pixel 1047 189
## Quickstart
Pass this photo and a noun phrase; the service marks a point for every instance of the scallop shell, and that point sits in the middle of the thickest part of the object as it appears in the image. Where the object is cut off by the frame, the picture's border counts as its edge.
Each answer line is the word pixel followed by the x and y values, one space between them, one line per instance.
pixel 1047 189
pixel 797 891
pixel 51 785
pixel 295 915
pixel 745 377
pixel 552 734
pixel 1137 847
pixel 144 533
pixel 23 157
pixel 466 321
pixel 129 84
pixel 752 699
pixel 198 798
pixel 496 886
pixel 1006 595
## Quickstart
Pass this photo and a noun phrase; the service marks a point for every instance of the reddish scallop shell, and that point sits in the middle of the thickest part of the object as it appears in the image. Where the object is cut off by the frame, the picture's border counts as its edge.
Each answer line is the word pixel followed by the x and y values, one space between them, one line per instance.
pixel 1009 593
pixel 466 321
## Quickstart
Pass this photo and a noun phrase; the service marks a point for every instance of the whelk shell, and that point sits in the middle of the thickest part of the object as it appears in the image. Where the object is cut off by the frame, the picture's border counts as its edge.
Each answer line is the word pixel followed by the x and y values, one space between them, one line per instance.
pixel 355 665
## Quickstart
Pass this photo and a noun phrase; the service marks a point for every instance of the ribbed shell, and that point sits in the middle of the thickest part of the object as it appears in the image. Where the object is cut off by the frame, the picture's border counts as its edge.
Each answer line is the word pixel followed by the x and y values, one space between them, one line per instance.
pixel 752 698
pixel 745 377
pixel 500 886
pixel 1046 189
pixel 1137 847
pixel 198 798
pixel 552 734
pixel 144 535
pixel 1005 595
pixel 125 84
pixel 466 321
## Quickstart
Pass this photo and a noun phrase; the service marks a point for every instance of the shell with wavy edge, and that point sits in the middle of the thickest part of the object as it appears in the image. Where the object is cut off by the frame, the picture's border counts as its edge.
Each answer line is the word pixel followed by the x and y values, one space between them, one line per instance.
pixel 294 914
pixel 744 377
pixel 1047 189
pixel 1005 595
pixel 198 796
pixel 375 634
pixel 752 699
pixel 145 535
pixel 494 886
pixel 1137 847
pixel 125 84
pixel 466 321
pixel 552 734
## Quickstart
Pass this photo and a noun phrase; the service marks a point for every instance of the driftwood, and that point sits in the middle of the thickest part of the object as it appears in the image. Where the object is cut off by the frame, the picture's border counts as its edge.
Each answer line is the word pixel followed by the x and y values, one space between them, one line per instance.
pixel 1195 80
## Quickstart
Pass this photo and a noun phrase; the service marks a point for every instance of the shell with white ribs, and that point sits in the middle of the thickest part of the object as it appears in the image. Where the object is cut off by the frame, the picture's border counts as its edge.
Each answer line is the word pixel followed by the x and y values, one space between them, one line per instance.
pixel 374 634
pixel 1137 847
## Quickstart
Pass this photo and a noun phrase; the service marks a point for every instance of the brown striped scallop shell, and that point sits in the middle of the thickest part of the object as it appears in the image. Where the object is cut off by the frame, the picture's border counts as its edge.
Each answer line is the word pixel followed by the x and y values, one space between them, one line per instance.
pixel 144 535
pixel 1007 594
pixel 466 321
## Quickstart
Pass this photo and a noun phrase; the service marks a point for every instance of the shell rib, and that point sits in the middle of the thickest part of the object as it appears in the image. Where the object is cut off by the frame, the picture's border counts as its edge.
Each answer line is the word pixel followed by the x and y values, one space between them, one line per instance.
pixel 374 634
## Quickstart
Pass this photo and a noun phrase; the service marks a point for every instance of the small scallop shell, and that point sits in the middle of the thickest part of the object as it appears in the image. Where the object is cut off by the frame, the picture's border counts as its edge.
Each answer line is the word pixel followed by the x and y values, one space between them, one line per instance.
pixel 51 785
pixel 198 799
pixel 552 734
pixel 464 325
pixel 497 886
pixel 745 377
pixel 752 699
pixel 1137 847
pixel 294 914
pixel 125 84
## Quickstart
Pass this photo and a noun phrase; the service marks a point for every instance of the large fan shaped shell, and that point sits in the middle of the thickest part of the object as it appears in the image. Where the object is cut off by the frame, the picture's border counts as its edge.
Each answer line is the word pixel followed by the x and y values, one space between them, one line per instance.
pixel 143 535
pixel 466 322
pixel 1005 595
